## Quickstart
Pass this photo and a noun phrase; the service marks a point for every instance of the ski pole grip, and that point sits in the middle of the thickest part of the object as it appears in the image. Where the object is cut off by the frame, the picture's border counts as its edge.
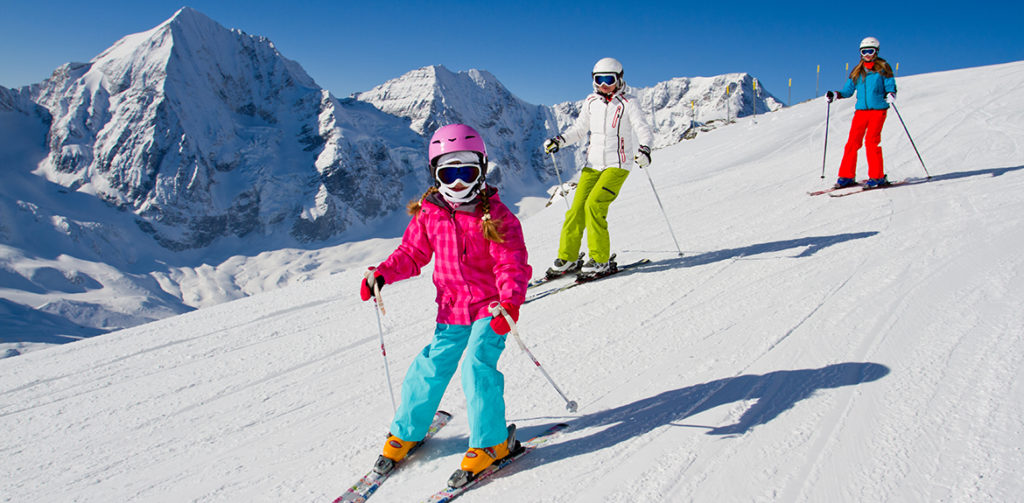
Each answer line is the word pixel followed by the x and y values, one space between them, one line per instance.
pixel 495 308
pixel 371 280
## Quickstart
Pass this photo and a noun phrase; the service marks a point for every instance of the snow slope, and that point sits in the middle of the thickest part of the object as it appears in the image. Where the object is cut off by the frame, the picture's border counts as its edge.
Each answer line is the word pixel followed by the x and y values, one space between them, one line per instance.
pixel 867 348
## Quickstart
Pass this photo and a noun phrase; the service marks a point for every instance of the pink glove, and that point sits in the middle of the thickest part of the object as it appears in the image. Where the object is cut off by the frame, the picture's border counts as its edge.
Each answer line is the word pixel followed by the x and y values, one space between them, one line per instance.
pixel 366 289
pixel 499 324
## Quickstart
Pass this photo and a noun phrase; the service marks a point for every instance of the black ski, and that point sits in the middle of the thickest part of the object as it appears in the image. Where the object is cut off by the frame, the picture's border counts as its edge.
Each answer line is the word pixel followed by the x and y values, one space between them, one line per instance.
pixel 551 277
pixel 584 280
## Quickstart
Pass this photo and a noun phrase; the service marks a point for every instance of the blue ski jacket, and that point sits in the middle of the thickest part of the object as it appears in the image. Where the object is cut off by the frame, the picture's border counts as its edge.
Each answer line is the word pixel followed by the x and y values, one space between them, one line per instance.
pixel 871 89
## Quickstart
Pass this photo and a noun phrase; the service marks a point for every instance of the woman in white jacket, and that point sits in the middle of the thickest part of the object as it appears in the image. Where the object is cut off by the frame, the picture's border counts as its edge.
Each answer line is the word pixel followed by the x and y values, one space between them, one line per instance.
pixel 619 137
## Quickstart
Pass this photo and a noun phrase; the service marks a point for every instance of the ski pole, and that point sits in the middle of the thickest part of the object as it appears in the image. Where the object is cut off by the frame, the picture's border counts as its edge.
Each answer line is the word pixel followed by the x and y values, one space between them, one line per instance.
pixel 379 309
pixel 561 185
pixel 667 222
pixel 911 140
pixel 824 154
pixel 496 309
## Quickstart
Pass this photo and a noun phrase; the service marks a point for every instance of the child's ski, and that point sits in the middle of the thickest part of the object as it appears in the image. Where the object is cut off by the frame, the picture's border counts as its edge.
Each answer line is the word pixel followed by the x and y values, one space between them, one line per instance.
pixel 450 493
pixel 370 482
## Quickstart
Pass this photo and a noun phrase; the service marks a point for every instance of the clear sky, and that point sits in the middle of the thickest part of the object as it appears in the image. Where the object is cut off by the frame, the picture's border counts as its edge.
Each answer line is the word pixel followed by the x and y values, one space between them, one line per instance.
pixel 543 52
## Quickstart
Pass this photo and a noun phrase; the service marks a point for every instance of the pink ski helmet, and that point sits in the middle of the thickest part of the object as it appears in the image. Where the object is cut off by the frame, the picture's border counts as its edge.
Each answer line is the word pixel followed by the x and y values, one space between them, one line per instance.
pixel 455 138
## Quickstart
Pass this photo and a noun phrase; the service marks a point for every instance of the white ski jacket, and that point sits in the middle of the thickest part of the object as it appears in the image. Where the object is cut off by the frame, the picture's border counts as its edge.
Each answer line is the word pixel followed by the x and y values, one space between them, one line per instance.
pixel 617 130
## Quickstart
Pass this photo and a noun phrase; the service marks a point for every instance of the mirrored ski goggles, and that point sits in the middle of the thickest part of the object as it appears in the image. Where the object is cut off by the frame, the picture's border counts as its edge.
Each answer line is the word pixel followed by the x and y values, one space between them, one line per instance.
pixel 450 173
pixel 605 79
pixel 868 51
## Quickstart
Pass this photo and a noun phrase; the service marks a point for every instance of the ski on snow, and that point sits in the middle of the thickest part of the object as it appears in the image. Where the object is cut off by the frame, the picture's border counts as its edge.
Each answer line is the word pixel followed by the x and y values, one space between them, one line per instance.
pixel 370 482
pixel 546 278
pixel 584 280
pixel 865 188
pixel 450 493
pixel 860 187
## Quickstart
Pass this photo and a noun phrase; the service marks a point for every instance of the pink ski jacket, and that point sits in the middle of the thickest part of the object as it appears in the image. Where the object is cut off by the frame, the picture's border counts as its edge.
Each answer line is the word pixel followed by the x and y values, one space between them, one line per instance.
pixel 470 272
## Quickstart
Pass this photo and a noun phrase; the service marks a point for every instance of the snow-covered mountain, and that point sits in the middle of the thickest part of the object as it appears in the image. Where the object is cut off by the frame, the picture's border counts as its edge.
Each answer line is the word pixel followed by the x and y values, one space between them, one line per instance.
pixel 805 349
pixel 153 179
pixel 513 129
pixel 204 133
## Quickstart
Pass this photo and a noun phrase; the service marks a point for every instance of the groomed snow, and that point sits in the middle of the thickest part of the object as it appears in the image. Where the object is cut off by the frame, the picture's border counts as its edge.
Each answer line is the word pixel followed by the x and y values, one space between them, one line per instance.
pixel 866 348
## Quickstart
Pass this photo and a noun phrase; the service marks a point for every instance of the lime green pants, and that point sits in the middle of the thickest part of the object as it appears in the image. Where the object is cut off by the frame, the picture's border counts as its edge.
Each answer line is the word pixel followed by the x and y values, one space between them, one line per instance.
pixel 589 211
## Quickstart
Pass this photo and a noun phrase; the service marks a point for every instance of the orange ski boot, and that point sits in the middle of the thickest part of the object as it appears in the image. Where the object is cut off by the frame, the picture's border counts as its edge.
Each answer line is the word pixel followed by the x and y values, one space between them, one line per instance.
pixel 478 459
pixel 395 449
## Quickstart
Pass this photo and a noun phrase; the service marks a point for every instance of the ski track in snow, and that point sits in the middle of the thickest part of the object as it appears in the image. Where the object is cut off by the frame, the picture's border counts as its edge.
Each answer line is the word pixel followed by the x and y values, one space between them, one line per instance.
pixel 867 348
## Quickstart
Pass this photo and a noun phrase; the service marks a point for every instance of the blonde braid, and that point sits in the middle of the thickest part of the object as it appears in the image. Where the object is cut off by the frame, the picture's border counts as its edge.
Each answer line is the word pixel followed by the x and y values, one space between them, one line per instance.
pixel 490 228
pixel 414 206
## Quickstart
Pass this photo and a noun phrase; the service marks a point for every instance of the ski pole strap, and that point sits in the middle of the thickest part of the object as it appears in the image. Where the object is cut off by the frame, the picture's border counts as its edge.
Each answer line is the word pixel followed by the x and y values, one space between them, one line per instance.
pixel 371 280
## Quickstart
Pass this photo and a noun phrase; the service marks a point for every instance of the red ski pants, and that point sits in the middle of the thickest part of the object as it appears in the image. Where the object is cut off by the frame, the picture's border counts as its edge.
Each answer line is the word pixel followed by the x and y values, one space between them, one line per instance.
pixel 866 127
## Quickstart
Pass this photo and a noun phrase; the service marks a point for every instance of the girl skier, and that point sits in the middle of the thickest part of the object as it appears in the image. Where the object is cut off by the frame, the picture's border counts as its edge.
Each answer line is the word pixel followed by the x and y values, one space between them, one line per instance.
pixel 872 79
pixel 480 259
pixel 617 129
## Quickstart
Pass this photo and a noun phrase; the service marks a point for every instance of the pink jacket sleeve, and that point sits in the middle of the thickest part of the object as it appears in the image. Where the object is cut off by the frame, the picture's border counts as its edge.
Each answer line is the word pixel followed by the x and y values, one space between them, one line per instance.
pixel 412 254
pixel 512 272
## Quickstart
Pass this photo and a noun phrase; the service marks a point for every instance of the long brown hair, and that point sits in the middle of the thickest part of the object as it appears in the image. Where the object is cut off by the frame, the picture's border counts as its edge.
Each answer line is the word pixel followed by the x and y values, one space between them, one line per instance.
pixel 881 66
pixel 490 228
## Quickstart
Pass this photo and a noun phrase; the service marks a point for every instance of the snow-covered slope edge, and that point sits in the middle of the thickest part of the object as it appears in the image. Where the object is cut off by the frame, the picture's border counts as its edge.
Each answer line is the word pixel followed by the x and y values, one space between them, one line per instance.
pixel 867 348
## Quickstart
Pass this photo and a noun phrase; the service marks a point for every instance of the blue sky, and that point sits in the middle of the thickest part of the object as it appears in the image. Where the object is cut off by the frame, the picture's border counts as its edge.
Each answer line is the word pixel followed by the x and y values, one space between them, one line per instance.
pixel 544 52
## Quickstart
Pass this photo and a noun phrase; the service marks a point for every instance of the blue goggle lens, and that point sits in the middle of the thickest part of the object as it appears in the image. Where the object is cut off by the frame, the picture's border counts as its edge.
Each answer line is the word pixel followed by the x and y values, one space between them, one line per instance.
pixel 448 174
pixel 605 80
pixel 867 52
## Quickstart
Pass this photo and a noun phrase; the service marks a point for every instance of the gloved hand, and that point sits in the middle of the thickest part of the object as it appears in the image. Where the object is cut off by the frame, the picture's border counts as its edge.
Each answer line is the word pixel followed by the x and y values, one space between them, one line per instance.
pixel 366 289
pixel 643 156
pixel 499 324
pixel 832 96
pixel 551 145
pixel 890 98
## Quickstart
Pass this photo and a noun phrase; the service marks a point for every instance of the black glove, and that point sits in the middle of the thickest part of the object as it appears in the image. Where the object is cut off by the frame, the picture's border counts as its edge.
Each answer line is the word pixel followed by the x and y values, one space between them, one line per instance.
pixel 643 156
pixel 832 95
pixel 551 145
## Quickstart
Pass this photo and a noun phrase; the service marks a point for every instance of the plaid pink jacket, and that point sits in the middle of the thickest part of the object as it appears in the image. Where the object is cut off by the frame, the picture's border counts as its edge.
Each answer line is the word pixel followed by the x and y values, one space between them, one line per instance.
pixel 470 272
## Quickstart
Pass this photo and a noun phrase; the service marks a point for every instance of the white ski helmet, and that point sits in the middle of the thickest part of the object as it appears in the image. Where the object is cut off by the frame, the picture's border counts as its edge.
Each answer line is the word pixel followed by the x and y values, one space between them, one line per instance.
pixel 869 42
pixel 608 66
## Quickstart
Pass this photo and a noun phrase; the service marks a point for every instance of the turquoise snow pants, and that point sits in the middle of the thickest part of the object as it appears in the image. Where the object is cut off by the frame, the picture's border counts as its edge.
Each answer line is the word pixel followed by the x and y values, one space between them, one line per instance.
pixel 483 384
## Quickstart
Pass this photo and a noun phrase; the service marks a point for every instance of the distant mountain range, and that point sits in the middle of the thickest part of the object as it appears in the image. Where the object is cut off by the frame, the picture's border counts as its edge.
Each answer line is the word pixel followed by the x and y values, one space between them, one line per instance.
pixel 191 143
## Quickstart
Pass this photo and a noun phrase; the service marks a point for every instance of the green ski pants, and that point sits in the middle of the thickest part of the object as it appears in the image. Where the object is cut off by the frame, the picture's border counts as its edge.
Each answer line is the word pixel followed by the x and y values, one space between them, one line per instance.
pixel 594 193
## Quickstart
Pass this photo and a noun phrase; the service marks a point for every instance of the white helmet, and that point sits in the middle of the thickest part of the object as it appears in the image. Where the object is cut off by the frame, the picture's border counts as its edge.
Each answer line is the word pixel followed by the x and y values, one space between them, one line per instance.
pixel 606 66
pixel 869 42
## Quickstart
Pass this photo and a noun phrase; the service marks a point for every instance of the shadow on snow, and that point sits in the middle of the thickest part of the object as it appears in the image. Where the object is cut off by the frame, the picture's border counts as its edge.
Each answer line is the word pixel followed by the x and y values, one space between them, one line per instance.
pixel 775 393
pixel 978 172
pixel 812 245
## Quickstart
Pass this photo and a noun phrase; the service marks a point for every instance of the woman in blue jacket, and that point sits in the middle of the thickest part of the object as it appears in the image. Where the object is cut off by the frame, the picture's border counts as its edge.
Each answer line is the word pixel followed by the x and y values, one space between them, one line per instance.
pixel 873 82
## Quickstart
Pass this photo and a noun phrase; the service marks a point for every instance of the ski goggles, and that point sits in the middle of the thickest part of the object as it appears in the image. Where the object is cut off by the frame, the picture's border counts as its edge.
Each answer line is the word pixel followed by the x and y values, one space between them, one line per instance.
pixel 605 79
pixel 868 51
pixel 450 173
